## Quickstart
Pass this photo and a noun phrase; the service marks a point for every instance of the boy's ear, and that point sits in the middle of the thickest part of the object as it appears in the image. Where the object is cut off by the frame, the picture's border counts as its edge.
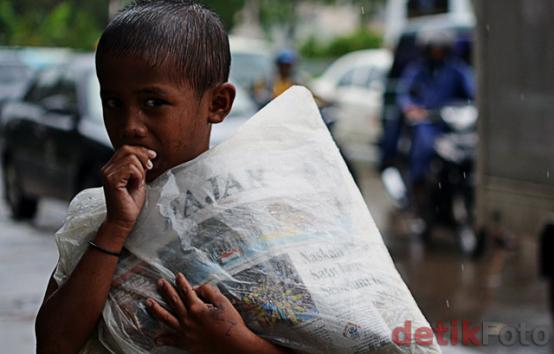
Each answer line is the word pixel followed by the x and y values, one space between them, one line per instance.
pixel 221 103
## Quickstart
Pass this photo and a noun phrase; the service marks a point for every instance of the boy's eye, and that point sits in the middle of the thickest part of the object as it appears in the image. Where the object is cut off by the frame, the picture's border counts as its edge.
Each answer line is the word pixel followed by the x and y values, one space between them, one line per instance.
pixel 154 103
pixel 112 103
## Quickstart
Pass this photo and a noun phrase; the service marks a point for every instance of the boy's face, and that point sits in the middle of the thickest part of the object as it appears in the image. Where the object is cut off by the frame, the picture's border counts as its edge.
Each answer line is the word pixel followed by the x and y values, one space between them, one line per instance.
pixel 144 106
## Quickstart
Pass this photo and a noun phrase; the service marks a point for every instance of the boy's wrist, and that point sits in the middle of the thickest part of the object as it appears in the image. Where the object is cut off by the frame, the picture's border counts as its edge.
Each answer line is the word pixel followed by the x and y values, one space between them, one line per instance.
pixel 119 226
pixel 112 236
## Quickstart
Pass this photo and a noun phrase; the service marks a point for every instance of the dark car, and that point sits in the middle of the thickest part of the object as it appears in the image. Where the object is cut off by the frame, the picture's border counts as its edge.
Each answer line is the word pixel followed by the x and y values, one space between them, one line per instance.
pixel 54 141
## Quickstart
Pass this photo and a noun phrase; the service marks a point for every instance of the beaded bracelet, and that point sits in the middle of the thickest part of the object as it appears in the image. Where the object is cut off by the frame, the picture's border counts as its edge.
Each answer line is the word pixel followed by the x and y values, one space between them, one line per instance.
pixel 103 250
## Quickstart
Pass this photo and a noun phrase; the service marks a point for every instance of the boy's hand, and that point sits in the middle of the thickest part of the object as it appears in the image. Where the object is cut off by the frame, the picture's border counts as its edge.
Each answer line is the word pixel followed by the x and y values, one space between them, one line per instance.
pixel 124 179
pixel 205 321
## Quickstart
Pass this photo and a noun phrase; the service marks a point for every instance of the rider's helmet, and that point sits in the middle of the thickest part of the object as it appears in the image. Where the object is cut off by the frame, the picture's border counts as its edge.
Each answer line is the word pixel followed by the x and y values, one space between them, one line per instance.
pixel 286 57
pixel 436 43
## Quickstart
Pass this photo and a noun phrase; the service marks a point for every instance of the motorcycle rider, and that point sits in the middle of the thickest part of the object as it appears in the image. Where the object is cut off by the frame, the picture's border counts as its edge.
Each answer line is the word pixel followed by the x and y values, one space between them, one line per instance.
pixel 436 80
pixel 285 63
pixel 264 90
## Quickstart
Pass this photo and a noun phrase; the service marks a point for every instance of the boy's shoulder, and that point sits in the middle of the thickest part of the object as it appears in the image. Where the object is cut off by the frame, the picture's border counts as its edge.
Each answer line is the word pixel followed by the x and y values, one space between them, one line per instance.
pixel 85 211
pixel 90 196
pixel 85 214
pixel 84 208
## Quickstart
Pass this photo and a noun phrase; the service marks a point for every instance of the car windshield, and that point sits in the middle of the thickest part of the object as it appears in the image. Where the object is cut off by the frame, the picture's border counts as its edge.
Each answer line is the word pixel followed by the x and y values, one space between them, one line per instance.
pixel 13 73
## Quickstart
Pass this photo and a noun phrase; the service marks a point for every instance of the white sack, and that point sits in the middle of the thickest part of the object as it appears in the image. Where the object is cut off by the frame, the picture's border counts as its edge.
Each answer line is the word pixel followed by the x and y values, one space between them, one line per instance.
pixel 273 217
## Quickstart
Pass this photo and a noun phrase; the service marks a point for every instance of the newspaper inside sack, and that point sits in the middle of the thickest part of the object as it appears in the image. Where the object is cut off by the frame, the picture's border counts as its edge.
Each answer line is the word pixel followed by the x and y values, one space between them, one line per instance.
pixel 274 219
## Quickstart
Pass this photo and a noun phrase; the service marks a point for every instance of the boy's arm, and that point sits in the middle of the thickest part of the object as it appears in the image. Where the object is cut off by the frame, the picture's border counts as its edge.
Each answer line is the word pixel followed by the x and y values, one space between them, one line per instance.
pixel 70 313
pixel 205 321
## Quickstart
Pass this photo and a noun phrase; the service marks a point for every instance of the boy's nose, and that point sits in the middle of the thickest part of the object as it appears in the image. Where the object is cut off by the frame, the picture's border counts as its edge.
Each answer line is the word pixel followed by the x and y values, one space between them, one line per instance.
pixel 134 126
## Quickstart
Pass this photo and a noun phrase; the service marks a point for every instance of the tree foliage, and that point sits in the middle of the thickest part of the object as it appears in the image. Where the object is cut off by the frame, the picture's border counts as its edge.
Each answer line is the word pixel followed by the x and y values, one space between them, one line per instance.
pixel 71 23
pixel 226 9
pixel 78 23
pixel 361 39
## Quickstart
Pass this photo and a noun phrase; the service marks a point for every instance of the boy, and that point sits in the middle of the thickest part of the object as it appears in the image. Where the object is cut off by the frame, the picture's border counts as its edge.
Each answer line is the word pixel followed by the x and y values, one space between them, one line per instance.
pixel 163 68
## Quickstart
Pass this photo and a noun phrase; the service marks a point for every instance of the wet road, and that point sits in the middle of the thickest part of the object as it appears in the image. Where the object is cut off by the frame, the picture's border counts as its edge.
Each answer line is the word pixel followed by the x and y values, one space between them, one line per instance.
pixel 502 288
pixel 27 257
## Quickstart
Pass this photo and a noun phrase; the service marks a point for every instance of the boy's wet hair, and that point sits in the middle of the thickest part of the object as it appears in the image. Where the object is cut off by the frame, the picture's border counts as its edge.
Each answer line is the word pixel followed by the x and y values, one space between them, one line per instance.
pixel 180 33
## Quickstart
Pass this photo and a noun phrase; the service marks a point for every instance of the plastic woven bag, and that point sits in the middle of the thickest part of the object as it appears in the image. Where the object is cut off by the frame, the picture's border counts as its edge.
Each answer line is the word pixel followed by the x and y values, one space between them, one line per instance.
pixel 274 219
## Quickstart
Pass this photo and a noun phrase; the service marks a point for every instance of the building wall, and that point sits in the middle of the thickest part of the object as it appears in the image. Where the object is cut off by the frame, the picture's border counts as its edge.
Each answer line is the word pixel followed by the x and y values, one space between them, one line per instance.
pixel 514 57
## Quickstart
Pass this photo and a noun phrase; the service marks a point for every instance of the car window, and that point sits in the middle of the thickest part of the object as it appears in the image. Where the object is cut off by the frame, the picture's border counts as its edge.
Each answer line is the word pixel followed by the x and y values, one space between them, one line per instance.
pixel 13 73
pixel 372 76
pixel 362 75
pixel 347 78
pixel 44 85
pixel 67 88
pixel 417 8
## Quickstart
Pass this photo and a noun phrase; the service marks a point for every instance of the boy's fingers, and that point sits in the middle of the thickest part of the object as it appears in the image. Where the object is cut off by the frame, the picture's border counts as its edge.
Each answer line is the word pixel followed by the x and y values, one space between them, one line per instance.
pixel 136 173
pixel 211 294
pixel 136 160
pixel 188 292
pixel 143 155
pixel 132 167
pixel 125 177
pixel 172 297
pixel 162 314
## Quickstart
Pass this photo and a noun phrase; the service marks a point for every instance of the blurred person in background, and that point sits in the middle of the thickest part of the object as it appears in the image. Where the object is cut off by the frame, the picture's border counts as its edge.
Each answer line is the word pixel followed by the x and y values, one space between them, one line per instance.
pixel 284 77
pixel 436 80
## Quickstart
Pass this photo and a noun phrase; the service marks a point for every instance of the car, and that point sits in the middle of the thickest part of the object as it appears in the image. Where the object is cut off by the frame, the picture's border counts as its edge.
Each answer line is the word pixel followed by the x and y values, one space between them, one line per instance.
pixel 354 84
pixel 18 66
pixel 54 138
pixel 55 141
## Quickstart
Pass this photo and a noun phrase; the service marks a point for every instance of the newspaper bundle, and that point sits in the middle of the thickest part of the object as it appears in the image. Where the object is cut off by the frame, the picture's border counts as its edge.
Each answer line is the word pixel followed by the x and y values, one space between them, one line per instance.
pixel 274 219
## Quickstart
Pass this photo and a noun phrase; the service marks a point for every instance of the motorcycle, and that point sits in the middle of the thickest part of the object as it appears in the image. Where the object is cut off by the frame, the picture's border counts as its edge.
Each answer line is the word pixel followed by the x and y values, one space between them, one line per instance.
pixel 449 184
